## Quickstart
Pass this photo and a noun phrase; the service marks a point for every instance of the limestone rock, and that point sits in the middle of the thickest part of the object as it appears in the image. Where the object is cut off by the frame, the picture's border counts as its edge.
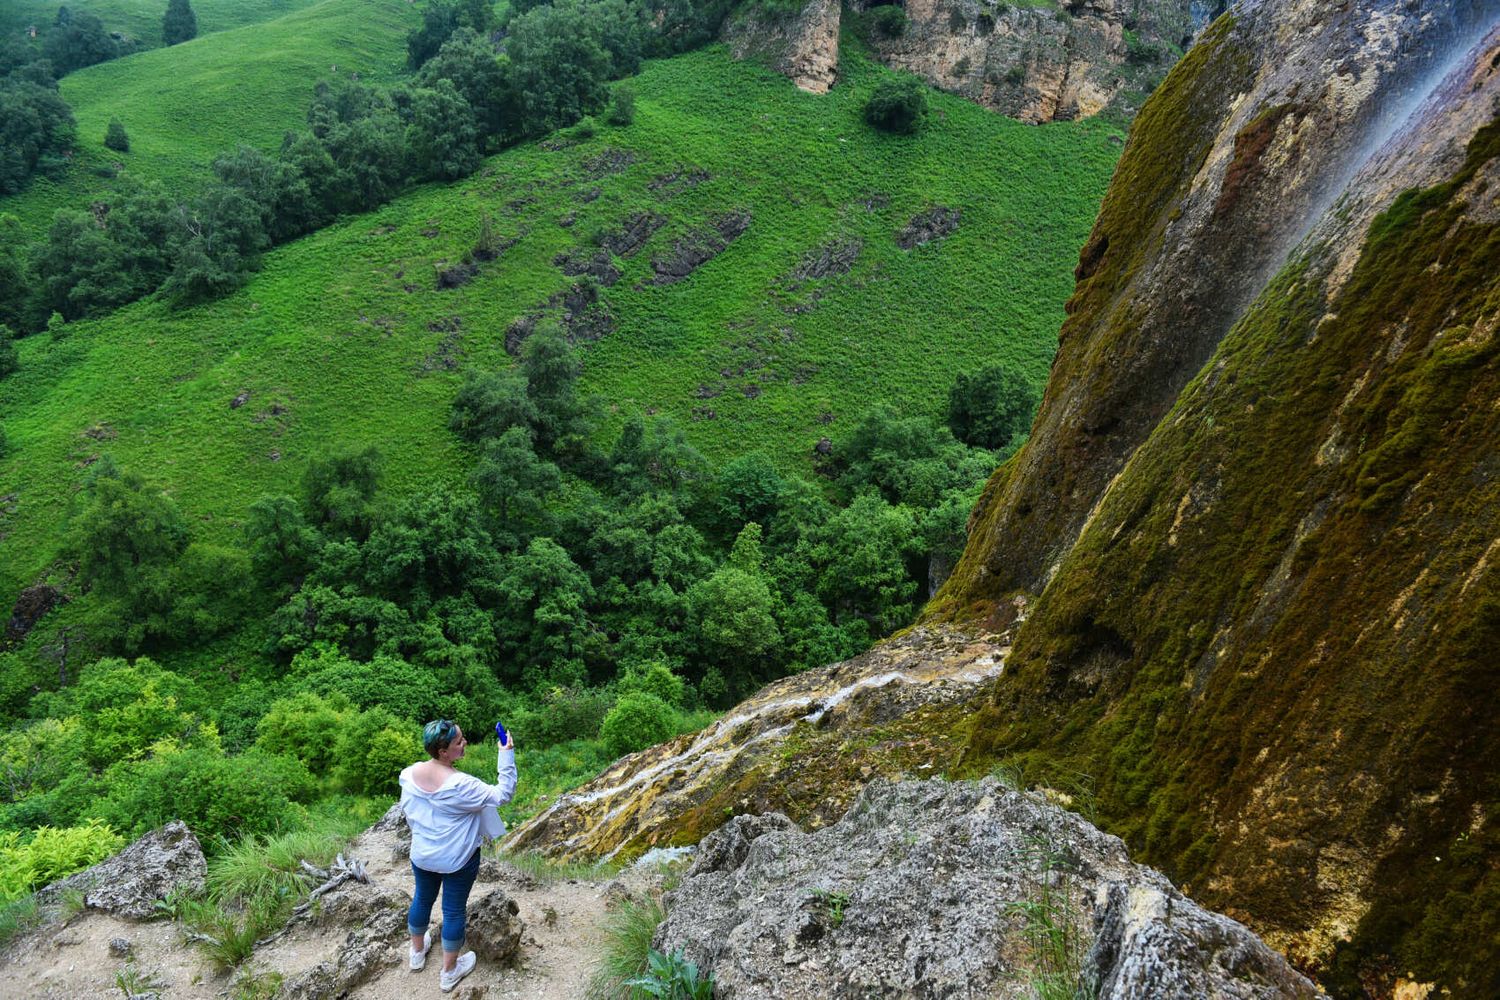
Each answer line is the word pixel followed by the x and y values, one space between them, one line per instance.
pixel 1035 62
pixel 395 820
pixel 803 47
pixel 132 882
pixel 494 927
pixel 725 849
pixel 364 905
pixel 362 957
pixel 921 890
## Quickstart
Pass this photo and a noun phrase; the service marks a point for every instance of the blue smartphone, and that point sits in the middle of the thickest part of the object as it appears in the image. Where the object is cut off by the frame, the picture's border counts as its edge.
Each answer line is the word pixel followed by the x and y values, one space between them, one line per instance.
pixel 500 733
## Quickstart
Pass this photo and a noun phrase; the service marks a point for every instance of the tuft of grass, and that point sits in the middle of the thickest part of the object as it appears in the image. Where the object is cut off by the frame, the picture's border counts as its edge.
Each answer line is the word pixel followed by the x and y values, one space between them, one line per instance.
pixel 226 932
pixel 133 981
pixel 1053 928
pixel 250 985
pixel 257 866
pixel 17 917
pixel 627 950
pixel 548 870
pixel 72 903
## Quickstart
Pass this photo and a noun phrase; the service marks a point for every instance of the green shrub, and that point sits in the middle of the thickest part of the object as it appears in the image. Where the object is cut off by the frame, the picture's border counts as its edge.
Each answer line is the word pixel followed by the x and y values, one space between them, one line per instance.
pixel 898 105
pixel 656 679
pixel 30 862
pixel 131 709
pixel 566 713
pixel 220 798
pixel 621 107
pixel 305 726
pixel 637 721
pixel 30 757
pixel 409 692
pixel 372 749
pixel 115 137
pixel 887 21
pixel 988 407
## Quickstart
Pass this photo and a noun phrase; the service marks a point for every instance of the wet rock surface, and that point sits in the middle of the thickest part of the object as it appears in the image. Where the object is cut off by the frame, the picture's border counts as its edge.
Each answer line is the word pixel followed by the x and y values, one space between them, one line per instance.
pixel 923 890
pixel 131 883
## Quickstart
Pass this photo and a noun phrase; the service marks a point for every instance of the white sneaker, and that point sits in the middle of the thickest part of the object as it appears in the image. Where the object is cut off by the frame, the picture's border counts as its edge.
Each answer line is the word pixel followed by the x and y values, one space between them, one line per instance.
pixel 419 958
pixel 461 968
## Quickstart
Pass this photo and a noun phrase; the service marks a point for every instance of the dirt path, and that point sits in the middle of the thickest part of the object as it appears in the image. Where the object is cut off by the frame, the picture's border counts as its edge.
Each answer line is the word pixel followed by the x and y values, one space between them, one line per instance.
pixel 563 940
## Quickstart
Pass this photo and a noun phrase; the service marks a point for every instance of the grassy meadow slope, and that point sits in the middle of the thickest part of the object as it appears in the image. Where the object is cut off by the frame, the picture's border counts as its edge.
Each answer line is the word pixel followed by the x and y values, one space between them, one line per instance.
pixel 140 20
pixel 183 105
pixel 344 339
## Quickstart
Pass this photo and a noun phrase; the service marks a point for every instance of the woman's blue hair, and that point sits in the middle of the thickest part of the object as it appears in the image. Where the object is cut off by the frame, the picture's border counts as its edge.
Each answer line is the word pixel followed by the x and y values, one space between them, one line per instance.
pixel 437 734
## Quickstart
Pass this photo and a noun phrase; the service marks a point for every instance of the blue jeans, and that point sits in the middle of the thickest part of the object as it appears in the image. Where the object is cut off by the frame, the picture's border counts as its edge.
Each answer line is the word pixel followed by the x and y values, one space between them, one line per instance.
pixel 455 886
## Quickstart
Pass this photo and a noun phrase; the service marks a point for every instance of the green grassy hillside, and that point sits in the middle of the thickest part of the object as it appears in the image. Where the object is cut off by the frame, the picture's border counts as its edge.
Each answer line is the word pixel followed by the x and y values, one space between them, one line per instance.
pixel 140 20
pixel 182 106
pixel 344 338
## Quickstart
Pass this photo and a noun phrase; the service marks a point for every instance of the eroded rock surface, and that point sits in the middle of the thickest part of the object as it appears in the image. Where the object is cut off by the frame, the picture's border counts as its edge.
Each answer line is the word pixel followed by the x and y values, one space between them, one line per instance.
pixel 131 883
pixel 931 889
pixel 698 248
pixel 1035 62
pixel 802 46
pixel 801 746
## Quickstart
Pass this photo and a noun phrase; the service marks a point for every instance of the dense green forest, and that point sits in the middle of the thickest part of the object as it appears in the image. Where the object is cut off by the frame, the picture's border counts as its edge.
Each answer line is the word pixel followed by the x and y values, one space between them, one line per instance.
pixel 587 384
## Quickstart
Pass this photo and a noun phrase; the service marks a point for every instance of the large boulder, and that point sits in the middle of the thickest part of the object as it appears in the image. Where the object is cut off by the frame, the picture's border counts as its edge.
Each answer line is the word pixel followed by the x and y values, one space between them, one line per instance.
pixel 494 927
pixel 940 889
pixel 131 883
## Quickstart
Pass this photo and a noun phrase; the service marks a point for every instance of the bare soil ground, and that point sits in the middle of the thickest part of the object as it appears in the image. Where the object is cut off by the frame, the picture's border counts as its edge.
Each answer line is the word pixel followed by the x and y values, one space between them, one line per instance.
pixel 562 941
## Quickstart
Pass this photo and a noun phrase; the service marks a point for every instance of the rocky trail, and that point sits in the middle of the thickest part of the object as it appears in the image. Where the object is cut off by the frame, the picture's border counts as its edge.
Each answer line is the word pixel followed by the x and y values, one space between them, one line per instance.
pixel 95 954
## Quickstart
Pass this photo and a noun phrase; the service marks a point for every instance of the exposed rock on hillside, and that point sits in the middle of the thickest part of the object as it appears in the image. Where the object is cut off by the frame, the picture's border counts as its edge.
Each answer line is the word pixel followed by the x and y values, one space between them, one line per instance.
pixel 132 882
pixel 802 747
pixel 1035 62
pixel 936 889
pixel 804 47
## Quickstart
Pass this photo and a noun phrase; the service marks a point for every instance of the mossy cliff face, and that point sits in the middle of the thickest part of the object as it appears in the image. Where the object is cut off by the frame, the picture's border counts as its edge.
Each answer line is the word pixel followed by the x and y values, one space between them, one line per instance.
pixel 1254 130
pixel 1274 638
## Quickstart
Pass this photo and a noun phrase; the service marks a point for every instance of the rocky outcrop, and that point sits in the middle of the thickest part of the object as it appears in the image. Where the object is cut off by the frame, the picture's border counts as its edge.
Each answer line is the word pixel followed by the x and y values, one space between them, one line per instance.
pixel 1035 62
pixel 494 927
pixel 1040 62
pixel 802 747
pixel 364 955
pixel 802 46
pixel 131 883
pixel 938 889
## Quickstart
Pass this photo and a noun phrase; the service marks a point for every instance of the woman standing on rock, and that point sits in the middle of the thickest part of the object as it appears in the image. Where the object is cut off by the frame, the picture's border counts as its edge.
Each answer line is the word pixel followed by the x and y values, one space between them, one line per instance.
pixel 450 813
